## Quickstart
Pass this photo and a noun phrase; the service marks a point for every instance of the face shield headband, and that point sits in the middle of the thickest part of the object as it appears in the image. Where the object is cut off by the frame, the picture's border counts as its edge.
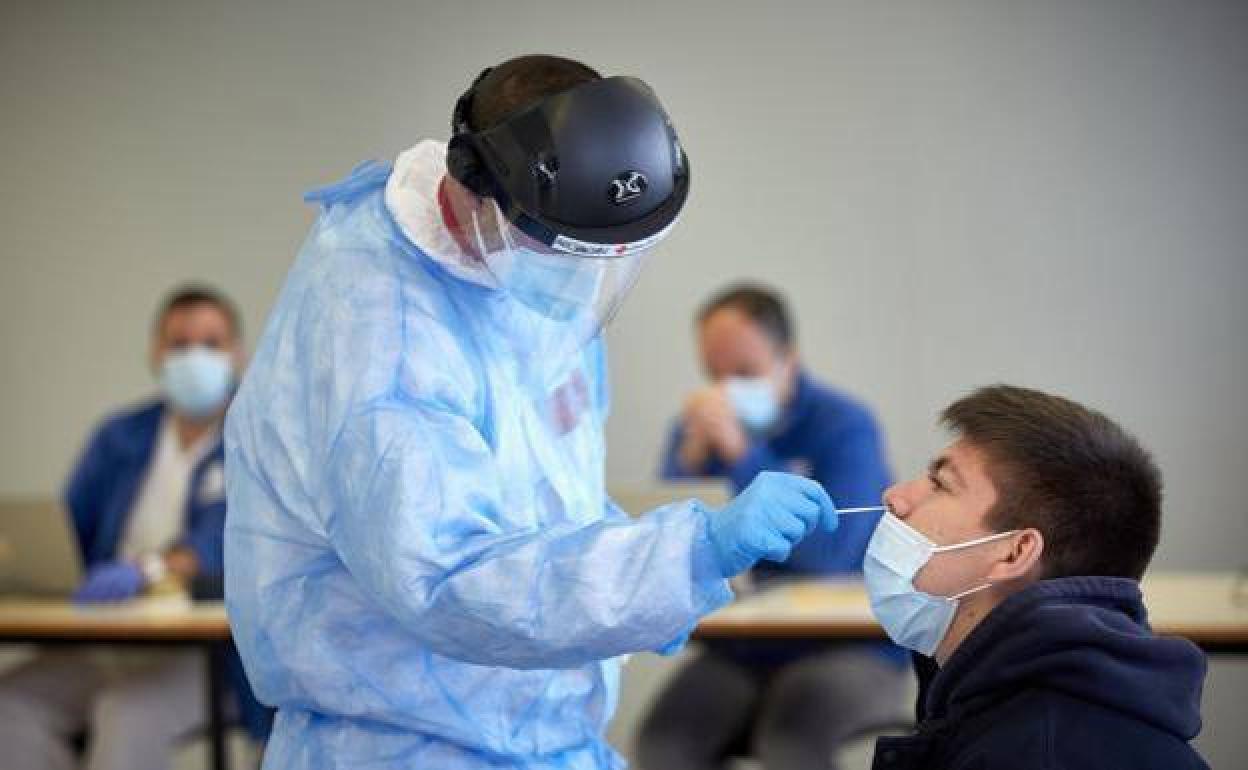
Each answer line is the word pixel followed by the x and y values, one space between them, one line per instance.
pixel 594 171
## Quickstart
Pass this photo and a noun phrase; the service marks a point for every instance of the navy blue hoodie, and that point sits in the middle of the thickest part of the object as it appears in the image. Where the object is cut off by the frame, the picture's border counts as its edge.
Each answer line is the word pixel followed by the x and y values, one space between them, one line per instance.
pixel 1067 675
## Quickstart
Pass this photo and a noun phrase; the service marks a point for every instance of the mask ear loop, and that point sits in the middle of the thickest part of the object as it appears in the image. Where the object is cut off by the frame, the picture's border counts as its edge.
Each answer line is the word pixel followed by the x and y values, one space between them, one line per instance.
pixel 977 541
pixel 483 248
pixel 968 592
pixel 476 232
pixel 968 544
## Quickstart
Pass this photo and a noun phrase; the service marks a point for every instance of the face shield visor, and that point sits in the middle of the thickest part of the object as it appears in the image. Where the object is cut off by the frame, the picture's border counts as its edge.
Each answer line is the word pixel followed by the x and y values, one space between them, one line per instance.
pixel 573 196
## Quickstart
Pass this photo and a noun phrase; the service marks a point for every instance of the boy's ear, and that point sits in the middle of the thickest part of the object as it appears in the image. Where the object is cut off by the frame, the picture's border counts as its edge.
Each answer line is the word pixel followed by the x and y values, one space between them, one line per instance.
pixel 1022 558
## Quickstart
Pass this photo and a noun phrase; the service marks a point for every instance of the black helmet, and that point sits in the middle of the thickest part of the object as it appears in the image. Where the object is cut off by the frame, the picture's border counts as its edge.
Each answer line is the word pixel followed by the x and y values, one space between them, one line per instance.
pixel 596 170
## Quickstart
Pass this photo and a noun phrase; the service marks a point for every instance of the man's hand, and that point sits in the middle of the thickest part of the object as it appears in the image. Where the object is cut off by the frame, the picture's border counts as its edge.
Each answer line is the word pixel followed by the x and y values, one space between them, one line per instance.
pixel 709 414
pixel 182 563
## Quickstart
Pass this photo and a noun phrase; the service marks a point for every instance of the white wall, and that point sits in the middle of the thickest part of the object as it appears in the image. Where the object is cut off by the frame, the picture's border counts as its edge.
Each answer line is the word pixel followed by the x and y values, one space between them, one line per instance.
pixel 952 193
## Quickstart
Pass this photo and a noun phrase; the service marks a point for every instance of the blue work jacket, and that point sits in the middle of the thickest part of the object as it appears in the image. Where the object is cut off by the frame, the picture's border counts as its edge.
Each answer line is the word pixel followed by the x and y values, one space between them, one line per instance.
pixel 102 493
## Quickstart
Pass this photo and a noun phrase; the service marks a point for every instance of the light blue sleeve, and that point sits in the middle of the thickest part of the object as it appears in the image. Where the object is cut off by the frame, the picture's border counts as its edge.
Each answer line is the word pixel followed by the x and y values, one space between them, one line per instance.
pixel 413 507
pixel 417 524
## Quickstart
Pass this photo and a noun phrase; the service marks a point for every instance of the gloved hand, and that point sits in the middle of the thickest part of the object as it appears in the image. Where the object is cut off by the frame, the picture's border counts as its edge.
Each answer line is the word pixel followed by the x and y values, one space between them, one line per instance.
pixel 765 521
pixel 110 583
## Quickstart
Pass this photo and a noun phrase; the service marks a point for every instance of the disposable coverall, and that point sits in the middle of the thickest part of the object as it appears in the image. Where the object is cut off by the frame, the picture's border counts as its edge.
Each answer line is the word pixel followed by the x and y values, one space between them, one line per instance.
pixel 422 566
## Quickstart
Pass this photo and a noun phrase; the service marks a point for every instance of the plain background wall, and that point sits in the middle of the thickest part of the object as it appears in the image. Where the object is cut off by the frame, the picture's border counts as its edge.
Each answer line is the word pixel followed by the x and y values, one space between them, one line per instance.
pixel 952 193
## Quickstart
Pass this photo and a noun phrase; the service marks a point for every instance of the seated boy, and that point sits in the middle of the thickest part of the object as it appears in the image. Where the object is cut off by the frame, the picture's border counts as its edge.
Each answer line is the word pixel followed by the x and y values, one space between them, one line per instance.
pixel 1014 563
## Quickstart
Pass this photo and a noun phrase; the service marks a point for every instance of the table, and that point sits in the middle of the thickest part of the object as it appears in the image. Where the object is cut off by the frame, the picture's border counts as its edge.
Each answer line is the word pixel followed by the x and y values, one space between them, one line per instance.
pixel 171 621
pixel 1209 608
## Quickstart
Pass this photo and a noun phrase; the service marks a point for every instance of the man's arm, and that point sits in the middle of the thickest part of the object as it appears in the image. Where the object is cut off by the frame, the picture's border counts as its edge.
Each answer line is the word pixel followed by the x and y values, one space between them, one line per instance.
pixel 82 492
pixel 420 520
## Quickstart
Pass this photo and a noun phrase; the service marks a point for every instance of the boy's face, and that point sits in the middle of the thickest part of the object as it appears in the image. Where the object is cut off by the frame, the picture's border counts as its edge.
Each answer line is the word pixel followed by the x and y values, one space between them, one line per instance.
pixel 949 505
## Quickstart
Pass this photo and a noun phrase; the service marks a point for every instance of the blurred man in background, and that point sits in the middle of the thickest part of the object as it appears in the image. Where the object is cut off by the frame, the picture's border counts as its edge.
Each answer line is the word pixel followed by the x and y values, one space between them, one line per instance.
pixel 788 704
pixel 147 500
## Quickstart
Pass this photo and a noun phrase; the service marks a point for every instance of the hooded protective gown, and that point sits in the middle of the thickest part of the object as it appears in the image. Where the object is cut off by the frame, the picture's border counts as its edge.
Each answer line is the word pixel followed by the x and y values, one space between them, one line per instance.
pixel 422 567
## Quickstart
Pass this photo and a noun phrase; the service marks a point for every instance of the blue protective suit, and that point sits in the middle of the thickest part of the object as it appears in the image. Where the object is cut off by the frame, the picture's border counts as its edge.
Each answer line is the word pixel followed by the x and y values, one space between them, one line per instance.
pixel 422 568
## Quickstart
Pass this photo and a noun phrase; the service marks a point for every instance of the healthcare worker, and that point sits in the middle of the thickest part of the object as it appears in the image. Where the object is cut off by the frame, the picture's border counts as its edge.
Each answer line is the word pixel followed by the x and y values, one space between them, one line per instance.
pixel 422 566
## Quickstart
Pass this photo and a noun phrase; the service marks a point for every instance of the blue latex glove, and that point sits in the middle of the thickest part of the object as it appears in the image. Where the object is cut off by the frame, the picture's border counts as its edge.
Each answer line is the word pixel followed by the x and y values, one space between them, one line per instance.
pixel 765 521
pixel 110 582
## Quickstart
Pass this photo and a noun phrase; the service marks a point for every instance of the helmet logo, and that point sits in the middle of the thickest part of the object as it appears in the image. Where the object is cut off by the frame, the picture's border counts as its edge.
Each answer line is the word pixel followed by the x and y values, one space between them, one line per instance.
pixel 627 187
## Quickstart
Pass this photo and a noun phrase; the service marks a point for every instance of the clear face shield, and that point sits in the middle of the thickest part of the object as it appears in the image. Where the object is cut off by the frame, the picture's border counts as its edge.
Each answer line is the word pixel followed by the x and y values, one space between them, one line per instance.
pixel 572 194
pixel 561 299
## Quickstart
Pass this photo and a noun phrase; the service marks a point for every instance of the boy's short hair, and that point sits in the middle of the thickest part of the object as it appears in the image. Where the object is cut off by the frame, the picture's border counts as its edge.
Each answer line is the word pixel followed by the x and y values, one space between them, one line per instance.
pixel 1068 471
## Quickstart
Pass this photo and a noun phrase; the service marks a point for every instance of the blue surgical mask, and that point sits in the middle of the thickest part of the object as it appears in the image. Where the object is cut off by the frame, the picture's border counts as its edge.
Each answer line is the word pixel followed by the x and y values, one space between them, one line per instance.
pixel 754 401
pixel 912 618
pixel 197 380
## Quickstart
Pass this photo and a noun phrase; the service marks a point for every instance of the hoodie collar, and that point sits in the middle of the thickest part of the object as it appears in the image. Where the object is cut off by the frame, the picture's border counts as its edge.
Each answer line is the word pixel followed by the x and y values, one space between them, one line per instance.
pixel 1087 637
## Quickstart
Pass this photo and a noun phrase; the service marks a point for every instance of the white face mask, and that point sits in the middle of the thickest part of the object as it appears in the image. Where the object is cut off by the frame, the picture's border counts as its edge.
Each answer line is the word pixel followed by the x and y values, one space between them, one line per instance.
pixel 755 402
pixel 912 618
pixel 197 380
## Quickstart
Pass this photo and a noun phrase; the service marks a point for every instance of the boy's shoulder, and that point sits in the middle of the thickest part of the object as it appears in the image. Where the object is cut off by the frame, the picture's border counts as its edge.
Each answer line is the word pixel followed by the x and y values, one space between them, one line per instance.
pixel 1047 729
